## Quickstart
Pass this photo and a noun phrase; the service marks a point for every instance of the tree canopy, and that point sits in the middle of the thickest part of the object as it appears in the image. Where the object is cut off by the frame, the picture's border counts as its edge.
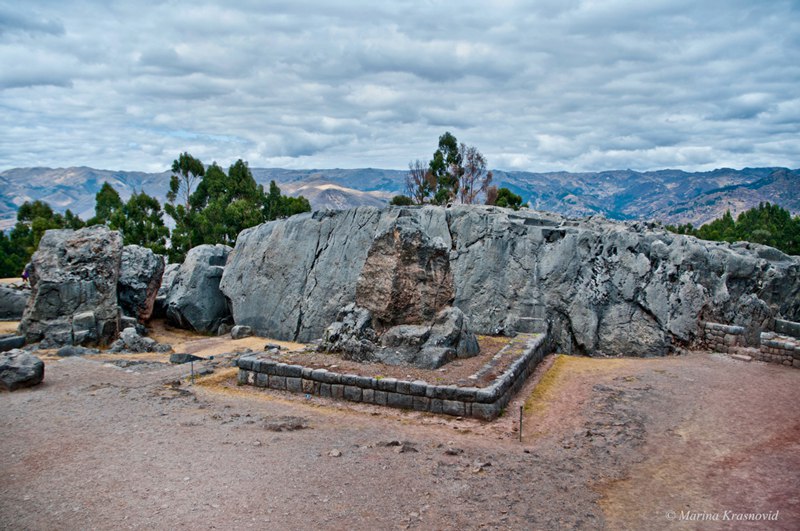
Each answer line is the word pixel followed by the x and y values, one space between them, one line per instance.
pixel 767 224
pixel 208 206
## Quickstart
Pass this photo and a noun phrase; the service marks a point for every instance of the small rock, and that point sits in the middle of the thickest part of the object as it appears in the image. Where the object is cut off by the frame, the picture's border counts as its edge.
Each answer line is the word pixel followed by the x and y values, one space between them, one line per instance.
pixel 272 346
pixel 454 451
pixel 241 332
pixel 183 358
pixel 480 466
pixel 334 453
pixel 71 350
pixel 19 369
pixel 405 448
pixel 742 357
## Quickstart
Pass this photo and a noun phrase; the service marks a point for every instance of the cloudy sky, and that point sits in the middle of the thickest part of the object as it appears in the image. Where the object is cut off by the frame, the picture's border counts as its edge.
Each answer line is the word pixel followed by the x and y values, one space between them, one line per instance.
pixel 547 85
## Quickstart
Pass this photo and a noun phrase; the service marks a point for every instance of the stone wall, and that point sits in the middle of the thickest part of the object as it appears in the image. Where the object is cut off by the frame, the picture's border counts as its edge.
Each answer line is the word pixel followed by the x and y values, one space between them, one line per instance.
pixel 776 348
pixel 723 338
pixel 483 403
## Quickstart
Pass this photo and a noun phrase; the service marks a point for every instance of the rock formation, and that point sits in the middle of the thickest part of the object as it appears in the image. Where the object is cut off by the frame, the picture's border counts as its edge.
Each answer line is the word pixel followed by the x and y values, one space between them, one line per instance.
pixel 140 277
pixel 13 301
pixel 427 345
pixel 20 369
pixel 194 300
pixel 160 305
pixel 74 288
pixel 600 286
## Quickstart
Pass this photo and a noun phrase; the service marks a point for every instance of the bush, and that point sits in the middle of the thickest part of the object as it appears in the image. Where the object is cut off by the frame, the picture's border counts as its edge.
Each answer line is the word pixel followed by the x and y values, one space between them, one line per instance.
pixel 401 200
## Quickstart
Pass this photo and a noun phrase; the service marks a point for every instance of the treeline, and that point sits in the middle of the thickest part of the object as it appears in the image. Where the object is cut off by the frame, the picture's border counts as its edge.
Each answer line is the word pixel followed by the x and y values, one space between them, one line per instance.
pixel 456 172
pixel 208 206
pixel 766 224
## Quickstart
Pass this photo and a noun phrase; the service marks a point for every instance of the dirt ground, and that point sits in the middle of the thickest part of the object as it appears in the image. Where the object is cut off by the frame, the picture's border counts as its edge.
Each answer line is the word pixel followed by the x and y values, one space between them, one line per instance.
pixel 607 443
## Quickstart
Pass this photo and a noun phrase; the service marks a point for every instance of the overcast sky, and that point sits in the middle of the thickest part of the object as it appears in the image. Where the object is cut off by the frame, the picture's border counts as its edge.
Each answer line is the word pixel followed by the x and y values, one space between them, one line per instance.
pixel 576 85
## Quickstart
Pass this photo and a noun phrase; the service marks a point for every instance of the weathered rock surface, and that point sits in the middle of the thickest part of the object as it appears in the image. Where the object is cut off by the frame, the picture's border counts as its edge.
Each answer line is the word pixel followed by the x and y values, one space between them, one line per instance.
pixel 241 332
pixel 195 301
pixel 406 277
pixel 10 342
pixel 12 302
pixel 74 350
pixel 600 286
pixel 74 288
pixel 130 341
pixel 160 304
pixel 141 272
pixel 20 369
pixel 427 346
pixel 352 334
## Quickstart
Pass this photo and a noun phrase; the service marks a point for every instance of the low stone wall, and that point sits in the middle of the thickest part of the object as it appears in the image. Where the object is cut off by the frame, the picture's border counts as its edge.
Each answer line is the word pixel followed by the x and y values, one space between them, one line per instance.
pixel 723 338
pixel 787 328
pixel 776 348
pixel 483 403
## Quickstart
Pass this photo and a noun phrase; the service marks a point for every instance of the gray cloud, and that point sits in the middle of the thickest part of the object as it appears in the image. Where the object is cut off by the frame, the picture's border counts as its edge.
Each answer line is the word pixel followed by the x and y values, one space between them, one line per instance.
pixel 573 85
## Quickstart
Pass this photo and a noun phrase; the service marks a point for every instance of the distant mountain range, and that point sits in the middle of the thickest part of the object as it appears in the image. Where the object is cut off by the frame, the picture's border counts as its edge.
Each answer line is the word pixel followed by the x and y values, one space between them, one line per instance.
pixel 670 196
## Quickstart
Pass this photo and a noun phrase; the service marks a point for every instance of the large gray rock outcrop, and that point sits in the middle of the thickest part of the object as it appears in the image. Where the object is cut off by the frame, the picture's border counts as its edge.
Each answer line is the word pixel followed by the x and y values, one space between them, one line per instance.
pixel 13 302
pixel 601 286
pixel 20 369
pixel 140 277
pixel 195 301
pixel 74 288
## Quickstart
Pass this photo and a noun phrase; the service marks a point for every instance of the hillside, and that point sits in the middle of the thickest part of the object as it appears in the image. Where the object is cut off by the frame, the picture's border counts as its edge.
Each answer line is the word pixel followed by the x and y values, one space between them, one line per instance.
pixel 671 196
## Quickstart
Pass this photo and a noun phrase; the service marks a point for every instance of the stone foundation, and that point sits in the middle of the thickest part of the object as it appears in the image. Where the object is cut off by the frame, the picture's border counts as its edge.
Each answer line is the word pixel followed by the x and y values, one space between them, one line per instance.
pixel 483 403
pixel 723 338
pixel 776 348
pixel 781 346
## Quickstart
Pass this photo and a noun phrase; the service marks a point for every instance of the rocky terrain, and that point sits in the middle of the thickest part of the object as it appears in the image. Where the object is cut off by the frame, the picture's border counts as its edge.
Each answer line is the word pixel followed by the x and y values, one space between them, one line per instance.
pixel 599 286
pixel 606 444
pixel 670 196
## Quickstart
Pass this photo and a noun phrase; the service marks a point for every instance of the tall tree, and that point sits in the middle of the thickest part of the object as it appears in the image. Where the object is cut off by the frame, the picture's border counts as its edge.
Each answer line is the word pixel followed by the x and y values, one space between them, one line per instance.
pixel 106 204
pixel 276 205
pixel 187 171
pixel 475 179
pixel 227 203
pixel 140 221
pixel 33 219
pixel 420 182
pixel 446 168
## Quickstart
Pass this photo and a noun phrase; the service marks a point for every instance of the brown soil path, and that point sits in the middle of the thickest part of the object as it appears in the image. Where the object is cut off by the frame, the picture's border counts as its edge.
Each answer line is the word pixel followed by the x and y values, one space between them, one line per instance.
pixel 607 444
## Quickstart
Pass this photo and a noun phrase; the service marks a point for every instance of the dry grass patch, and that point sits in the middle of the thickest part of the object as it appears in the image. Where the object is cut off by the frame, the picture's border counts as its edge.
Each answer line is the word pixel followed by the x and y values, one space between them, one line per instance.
pixel 8 327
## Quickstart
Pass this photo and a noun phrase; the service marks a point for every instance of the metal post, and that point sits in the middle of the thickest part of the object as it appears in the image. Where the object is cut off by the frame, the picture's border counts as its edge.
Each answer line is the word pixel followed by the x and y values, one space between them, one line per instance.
pixel 520 423
pixel 192 364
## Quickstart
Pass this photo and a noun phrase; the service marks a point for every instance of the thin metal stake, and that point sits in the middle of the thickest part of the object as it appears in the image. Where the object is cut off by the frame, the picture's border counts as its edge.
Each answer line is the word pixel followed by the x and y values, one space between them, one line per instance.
pixel 192 364
pixel 520 423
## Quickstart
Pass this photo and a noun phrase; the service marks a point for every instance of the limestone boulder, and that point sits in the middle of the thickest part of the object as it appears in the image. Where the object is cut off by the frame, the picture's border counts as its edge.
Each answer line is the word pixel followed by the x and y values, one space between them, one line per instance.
pixel 195 301
pixel 19 369
pixel 141 273
pixel 620 288
pixel 13 302
pixel 74 280
pixel 160 304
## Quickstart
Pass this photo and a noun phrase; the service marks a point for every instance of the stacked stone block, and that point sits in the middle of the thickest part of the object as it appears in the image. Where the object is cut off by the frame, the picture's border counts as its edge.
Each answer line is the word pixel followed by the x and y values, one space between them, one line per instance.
pixel 723 338
pixel 776 348
pixel 483 403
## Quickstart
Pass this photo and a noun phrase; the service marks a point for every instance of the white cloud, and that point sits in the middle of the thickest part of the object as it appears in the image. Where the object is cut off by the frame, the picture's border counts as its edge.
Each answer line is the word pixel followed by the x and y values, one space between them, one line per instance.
pixel 578 85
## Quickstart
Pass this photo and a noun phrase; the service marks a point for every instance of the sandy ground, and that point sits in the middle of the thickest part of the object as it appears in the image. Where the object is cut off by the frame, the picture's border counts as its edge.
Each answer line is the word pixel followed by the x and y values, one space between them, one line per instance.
pixel 617 444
